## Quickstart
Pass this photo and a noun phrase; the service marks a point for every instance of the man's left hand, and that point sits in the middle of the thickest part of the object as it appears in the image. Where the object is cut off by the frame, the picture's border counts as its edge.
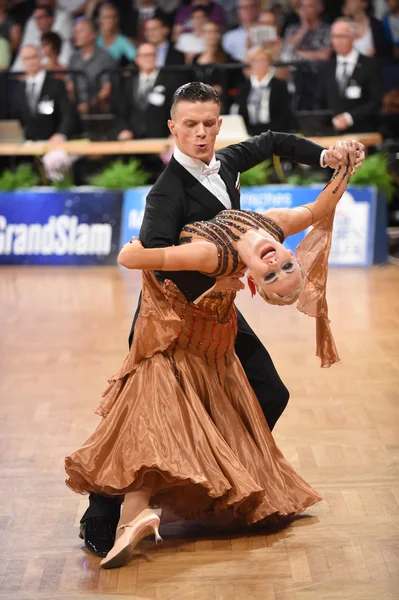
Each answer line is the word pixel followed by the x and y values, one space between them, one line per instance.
pixel 335 156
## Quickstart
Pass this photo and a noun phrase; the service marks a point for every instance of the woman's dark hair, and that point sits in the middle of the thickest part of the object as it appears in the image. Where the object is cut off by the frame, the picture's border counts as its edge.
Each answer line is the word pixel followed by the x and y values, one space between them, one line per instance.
pixel 195 91
pixel 54 40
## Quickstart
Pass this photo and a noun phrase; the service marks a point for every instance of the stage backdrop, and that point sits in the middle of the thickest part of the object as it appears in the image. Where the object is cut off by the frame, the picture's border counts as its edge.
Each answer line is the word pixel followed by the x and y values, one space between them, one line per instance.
pixel 60 227
pixel 354 226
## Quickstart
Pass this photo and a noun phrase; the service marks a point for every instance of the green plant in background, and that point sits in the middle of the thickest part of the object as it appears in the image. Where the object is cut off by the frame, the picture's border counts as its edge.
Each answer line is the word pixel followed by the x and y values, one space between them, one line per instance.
pixel 119 175
pixel 374 171
pixel 306 178
pixel 258 175
pixel 22 178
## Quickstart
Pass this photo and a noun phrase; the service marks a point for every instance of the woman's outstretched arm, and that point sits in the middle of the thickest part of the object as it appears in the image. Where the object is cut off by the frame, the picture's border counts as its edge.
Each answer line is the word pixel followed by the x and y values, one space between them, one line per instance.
pixel 294 220
pixel 197 256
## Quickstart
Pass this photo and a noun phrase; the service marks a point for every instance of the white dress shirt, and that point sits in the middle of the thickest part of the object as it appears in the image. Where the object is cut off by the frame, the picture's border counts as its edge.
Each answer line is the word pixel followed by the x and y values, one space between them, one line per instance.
pixel 264 85
pixel 190 43
pixel 213 183
pixel 162 52
pixel 37 83
pixel 235 43
pixel 346 66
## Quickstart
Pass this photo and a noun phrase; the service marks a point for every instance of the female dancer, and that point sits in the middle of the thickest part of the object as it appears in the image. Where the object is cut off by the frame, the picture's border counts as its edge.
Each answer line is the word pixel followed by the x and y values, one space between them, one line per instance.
pixel 182 427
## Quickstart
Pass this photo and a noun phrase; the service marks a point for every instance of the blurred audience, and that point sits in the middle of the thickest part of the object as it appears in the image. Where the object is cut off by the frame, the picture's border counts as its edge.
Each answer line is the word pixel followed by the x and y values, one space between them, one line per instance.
pixel 350 83
pixel 391 24
pixel 41 103
pixel 44 17
pixel 76 8
pixel 371 39
pixel 235 42
pixel 5 54
pixel 310 39
pixel 135 20
pixel 157 32
pixel 110 39
pixel 93 90
pixel 9 29
pixel 206 65
pixel 191 43
pixel 263 100
pixel 51 48
pixel 184 22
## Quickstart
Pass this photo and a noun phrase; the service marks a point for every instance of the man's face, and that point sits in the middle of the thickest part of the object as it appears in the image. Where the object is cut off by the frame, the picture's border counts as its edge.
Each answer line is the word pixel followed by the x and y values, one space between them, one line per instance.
pixel 83 34
pixel 146 58
pixel 43 21
pixel 341 38
pixel 267 18
pixel 155 32
pixel 195 126
pixel 31 60
pixel 248 11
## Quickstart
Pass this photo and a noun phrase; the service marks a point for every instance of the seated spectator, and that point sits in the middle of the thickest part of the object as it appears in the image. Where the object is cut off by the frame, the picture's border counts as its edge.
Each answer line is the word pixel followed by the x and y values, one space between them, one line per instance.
pixel 225 82
pixel 266 33
pixel 44 17
pixel 183 21
pixel 133 21
pixel 193 43
pixel 310 39
pixel 292 16
pixel 63 24
pixel 263 100
pixel 235 42
pixel 157 32
pixel 350 83
pixel 51 48
pixel 9 29
pixel 92 9
pixel 391 24
pixel 94 90
pixel 41 103
pixel 371 40
pixel 5 54
pixel 110 39
pixel 145 104
pixel 146 99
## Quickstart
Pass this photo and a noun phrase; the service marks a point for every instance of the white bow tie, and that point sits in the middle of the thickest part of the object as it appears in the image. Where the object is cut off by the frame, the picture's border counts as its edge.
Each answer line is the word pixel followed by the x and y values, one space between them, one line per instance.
pixel 213 170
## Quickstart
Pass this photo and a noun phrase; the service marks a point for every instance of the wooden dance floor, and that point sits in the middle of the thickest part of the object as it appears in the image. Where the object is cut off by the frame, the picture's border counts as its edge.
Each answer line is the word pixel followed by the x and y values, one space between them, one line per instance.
pixel 64 330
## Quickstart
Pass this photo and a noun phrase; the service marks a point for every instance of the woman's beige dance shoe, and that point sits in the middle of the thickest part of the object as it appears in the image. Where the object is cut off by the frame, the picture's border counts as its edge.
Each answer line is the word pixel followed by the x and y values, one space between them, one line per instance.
pixel 122 552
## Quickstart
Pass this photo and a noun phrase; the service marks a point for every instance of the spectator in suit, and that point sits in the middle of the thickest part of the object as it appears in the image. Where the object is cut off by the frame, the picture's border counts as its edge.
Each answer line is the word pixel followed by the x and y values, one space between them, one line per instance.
pixel 350 84
pixel 110 39
pixel 371 39
pixel 263 100
pixel 183 21
pixel 157 32
pixel 94 90
pixel 310 39
pixel 9 29
pixel 41 103
pixel 44 17
pixel 146 99
pixel 235 42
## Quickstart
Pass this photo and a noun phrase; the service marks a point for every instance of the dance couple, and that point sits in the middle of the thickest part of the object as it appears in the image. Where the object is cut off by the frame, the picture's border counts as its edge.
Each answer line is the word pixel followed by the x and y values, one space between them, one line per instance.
pixel 186 421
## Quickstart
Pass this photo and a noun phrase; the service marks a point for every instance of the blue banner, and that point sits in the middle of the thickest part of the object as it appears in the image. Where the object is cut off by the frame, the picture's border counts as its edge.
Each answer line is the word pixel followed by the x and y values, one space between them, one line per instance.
pixel 354 225
pixel 133 212
pixel 60 227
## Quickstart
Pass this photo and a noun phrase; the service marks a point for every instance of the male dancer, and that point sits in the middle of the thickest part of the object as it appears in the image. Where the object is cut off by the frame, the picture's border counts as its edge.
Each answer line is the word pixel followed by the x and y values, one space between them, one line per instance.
pixel 196 185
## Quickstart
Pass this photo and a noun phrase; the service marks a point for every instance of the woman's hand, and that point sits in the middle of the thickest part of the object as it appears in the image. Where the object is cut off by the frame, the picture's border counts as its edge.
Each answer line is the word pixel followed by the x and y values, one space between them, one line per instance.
pixel 334 156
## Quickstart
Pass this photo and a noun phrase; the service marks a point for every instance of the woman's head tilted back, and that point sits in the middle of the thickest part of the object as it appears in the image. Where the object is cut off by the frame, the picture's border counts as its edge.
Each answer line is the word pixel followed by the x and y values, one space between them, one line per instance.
pixel 274 270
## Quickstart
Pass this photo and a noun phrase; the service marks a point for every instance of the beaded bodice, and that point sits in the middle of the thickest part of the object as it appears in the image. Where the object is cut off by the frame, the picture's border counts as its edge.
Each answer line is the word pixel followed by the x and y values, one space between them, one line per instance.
pixel 224 231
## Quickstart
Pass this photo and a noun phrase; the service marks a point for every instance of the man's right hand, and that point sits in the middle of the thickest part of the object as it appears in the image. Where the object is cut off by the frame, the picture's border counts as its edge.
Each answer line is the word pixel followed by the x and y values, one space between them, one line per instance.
pixel 229 284
pixel 124 135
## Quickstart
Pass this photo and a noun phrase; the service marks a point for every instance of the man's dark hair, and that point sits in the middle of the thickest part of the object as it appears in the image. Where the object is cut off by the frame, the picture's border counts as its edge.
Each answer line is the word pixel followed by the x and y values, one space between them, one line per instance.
pixel 195 91
pixel 49 10
pixel 52 38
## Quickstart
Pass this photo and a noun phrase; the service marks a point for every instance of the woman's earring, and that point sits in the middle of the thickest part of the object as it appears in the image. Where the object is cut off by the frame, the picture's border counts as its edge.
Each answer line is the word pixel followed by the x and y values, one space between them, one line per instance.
pixel 251 285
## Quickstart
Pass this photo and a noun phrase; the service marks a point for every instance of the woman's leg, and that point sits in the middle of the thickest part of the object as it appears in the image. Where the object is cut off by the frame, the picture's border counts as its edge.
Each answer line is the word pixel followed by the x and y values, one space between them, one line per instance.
pixel 135 502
